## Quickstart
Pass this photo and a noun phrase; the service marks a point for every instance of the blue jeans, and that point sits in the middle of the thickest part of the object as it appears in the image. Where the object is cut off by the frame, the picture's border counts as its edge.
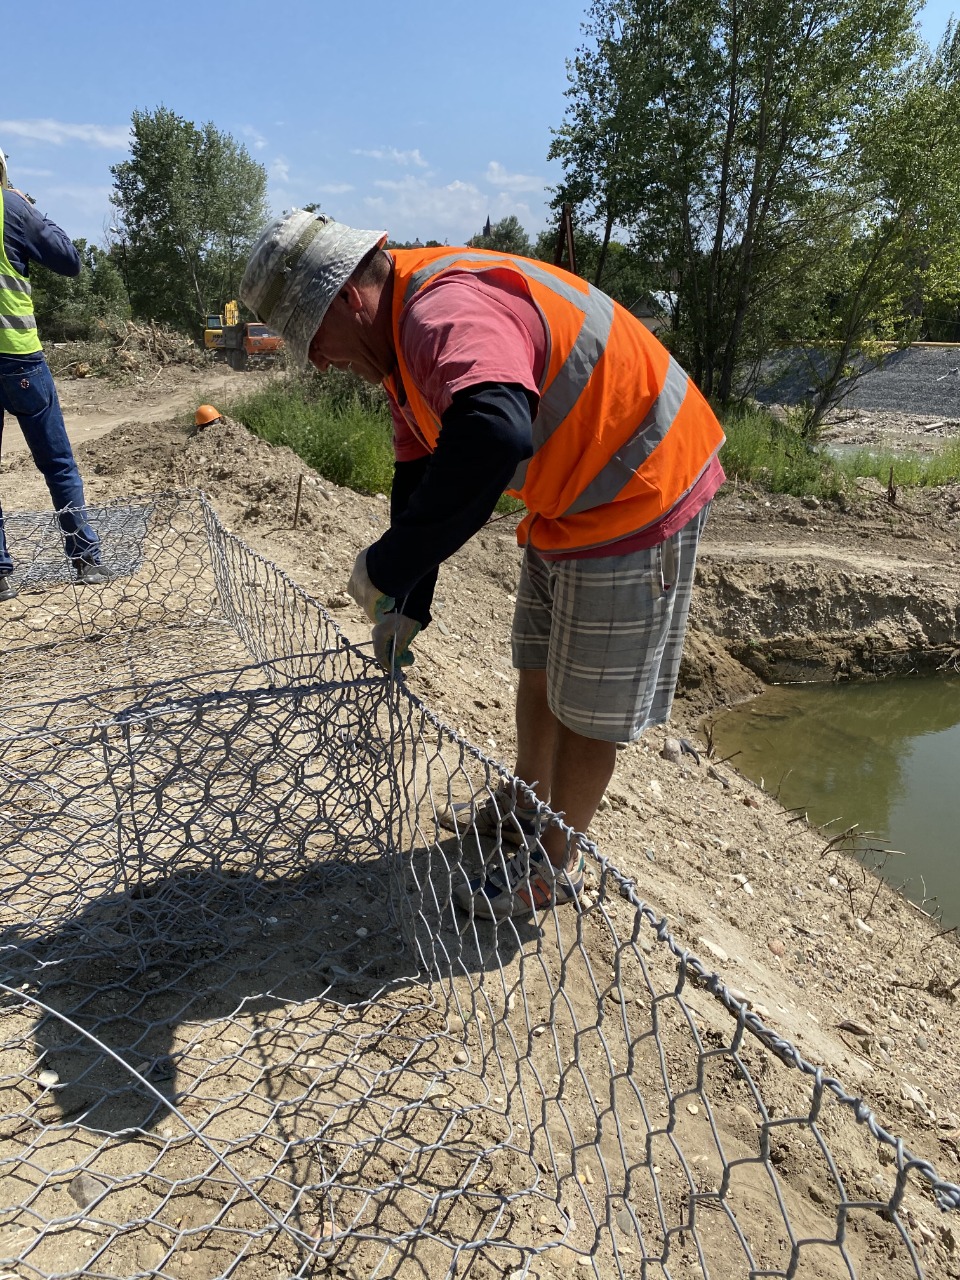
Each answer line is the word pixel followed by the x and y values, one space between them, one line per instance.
pixel 27 391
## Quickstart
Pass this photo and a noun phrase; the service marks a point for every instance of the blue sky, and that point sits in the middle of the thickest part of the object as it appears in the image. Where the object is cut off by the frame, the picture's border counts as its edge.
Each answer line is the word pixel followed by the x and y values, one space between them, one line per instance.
pixel 420 117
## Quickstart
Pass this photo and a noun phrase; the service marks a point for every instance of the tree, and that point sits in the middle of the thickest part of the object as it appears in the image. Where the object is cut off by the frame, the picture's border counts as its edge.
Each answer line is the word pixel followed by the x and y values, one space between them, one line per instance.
pixel 615 268
pixel 506 236
pixel 74 307
pixel 190 202
pixel 902 244
pixel 717 135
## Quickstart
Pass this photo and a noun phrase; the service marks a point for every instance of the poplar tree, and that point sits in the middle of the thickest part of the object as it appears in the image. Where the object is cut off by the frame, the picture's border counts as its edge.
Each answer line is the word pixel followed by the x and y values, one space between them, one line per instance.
pixel 721 138
pixel 190 201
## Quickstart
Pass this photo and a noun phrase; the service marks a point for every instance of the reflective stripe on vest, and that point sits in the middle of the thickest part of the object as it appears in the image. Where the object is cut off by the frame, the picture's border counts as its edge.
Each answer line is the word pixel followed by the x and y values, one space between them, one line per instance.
pixel 18 327
pixel 606 461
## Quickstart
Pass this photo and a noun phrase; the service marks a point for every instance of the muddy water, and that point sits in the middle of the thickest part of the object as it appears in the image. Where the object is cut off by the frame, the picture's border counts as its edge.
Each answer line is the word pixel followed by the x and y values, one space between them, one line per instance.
pixel 886 756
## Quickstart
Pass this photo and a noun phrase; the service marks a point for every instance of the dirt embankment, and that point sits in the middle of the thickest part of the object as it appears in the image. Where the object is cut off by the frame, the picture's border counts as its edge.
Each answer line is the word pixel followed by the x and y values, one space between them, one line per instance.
pixel 785 587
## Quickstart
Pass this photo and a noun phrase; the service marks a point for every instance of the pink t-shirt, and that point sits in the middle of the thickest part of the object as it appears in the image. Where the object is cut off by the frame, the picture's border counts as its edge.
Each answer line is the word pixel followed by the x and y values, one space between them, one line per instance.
pixel 465 329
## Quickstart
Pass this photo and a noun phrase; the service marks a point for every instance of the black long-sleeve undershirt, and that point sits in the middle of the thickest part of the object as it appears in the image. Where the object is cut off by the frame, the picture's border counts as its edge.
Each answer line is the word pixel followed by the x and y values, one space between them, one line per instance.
pixel 439 502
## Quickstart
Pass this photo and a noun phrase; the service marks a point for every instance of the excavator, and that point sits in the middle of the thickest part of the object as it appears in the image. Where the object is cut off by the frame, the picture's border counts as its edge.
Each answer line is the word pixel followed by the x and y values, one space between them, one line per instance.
pixel 238 339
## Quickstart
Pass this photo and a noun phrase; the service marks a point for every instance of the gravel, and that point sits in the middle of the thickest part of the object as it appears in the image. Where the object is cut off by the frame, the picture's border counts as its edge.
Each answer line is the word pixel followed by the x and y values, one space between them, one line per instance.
pixel 921 380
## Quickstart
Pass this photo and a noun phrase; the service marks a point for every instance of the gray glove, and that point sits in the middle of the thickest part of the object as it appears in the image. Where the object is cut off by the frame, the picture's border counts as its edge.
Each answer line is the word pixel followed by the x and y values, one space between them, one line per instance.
pixel 370 598
pixel 392 638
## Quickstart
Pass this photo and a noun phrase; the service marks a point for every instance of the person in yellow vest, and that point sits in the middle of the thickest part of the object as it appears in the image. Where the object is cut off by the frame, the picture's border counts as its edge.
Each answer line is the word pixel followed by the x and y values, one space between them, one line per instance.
pixel 27 389
pixel 508 374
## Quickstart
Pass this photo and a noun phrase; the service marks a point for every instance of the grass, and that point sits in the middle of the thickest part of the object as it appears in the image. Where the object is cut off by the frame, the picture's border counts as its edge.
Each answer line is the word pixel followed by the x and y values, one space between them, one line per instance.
pixel 336 423
pixel 763 451
pixel 341 426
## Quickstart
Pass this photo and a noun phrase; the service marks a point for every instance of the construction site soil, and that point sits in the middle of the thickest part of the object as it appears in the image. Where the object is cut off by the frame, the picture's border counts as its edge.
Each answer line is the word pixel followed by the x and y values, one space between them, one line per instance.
pixel 854 975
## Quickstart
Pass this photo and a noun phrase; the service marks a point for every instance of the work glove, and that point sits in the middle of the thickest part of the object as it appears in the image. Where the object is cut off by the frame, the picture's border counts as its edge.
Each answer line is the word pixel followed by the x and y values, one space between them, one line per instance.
pixel 371 599
pixel 392 638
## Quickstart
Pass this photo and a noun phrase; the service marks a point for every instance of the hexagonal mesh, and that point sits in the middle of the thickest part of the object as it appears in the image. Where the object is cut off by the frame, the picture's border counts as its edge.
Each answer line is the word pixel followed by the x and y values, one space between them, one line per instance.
pixel 245 1033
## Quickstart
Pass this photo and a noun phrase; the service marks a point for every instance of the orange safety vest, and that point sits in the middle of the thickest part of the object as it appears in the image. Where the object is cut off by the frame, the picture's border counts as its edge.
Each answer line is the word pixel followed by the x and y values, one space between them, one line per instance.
pixel 621 435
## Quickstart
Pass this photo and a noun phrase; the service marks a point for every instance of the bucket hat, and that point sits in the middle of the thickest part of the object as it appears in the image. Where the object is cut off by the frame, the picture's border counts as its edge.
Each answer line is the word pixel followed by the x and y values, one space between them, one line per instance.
pixel 296 269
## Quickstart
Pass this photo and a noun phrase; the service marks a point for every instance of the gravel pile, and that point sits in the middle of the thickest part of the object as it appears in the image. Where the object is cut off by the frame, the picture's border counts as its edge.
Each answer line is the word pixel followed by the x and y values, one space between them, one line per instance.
pixel 917 380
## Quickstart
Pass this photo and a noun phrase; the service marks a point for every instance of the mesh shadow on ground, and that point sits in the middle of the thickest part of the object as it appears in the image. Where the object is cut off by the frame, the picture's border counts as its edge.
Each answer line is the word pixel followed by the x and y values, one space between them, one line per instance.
pixel 273 1045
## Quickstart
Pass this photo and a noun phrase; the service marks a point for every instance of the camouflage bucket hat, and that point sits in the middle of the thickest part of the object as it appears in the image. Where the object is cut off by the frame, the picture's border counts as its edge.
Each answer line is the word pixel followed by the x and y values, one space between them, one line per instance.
pixel 296 269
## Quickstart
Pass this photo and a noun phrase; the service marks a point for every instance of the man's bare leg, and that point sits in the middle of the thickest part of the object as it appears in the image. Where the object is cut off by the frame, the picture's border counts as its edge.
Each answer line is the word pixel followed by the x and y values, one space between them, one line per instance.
pixel 571 772
pixel 536 733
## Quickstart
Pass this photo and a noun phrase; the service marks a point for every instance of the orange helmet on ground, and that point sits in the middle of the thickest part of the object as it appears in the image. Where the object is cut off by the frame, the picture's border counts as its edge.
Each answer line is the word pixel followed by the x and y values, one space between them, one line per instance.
pixel 207 414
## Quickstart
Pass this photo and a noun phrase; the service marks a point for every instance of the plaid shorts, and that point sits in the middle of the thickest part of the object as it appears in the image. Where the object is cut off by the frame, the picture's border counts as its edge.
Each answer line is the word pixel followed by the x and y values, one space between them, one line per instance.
pixel 608 632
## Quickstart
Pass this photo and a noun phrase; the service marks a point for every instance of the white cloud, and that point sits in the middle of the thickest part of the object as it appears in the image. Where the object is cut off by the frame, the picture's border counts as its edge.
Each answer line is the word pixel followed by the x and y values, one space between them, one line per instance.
pixel 280 170
pixel 258 141
pixel 412 207
pixel 57 133
pixel 335 188
pixel 394 156
pixel 499 177
pixel 23 172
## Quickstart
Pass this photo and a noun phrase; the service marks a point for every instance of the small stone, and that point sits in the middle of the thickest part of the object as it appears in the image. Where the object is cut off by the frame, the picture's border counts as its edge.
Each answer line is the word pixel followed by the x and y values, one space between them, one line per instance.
pixel 776 946
pixel 85 1188
pixel 461 1057
pixel 887 1042
pixel 671 750
pixel 693 1108
pixel 717 952
pixel 864 927
pixel 49 1079
pixel 922 1043
pixel 362 932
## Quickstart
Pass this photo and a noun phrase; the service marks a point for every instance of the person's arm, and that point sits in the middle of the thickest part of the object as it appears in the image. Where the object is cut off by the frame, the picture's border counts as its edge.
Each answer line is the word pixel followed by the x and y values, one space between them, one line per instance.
pixel 30 237
pixel 486 433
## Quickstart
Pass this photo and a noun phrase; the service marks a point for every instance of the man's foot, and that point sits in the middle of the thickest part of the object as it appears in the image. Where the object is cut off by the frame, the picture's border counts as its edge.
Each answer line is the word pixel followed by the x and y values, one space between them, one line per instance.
pixel 521 884
pixel 90 574
pixel 7 590
pixel 500 815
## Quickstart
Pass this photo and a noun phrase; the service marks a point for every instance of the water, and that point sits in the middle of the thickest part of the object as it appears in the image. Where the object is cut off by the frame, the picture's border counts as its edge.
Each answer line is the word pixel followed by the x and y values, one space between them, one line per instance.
pixel 885 756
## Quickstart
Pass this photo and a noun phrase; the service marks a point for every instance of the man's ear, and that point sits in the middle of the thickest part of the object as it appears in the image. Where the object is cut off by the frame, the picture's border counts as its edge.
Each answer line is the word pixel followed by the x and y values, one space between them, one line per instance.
pixel 350 297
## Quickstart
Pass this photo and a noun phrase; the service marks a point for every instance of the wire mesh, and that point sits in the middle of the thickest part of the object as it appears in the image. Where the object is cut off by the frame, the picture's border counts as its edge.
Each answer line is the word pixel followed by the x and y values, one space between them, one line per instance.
pixel 245 1033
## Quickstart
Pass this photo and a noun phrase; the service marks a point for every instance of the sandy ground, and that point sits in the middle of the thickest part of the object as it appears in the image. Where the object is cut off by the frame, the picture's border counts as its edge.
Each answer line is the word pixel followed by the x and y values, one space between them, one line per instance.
pixel 855 976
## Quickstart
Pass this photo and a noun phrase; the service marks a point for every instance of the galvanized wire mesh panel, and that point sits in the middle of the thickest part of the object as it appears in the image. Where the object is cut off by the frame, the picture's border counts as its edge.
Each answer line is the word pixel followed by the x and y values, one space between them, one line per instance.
pixel 245 1033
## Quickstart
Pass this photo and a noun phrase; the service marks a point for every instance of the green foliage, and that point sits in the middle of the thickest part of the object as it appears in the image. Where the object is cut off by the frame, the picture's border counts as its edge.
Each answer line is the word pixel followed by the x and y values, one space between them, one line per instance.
pixel 506 236
pixel 777 456
pixel 338 424
pixel 190 201
pixel 76 308
pixel 618 270
pixel 737 146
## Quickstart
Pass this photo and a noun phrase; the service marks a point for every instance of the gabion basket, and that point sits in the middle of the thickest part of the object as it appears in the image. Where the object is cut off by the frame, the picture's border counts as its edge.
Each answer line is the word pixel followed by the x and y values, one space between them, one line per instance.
pixel 246 1033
